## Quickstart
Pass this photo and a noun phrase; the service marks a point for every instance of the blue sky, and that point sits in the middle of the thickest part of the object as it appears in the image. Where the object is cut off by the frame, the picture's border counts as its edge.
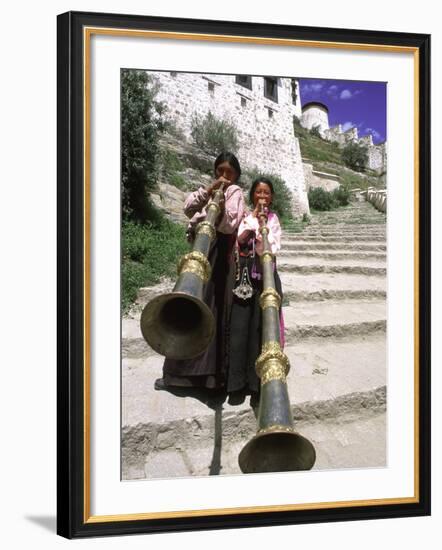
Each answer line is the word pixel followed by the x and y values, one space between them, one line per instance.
pixel 350 103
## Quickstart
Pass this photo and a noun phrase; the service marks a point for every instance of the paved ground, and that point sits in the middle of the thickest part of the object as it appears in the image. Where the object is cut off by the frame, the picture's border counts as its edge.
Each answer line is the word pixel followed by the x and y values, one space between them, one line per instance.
pixel 334 280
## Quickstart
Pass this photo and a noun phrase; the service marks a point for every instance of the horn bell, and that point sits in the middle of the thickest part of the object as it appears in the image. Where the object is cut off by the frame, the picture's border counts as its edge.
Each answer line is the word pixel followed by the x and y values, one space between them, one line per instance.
pixel 177 325
pixel 280 450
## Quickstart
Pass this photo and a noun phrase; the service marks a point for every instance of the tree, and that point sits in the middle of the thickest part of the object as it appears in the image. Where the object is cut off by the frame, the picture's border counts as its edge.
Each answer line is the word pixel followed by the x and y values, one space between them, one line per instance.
pixel 355 156
pixel 141 126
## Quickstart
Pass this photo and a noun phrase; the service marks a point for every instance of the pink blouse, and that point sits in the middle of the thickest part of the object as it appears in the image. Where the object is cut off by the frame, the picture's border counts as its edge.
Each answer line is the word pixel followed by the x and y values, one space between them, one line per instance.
pixel 195 208
pixel 274 234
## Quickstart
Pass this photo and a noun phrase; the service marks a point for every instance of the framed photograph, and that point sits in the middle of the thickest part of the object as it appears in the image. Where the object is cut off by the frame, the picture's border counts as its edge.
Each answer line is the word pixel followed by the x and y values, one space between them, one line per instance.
pixel 281 374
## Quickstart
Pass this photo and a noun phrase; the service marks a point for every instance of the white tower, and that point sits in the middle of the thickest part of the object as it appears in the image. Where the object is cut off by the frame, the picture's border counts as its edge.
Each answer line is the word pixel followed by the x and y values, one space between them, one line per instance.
pixel 315 114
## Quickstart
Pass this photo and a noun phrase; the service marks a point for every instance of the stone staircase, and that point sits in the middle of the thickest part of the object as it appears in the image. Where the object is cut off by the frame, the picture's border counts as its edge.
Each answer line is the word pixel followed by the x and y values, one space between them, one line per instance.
pixel 334 281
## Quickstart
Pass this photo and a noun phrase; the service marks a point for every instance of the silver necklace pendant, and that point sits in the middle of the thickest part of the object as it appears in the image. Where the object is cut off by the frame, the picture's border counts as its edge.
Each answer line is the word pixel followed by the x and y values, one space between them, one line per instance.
pixel 244 290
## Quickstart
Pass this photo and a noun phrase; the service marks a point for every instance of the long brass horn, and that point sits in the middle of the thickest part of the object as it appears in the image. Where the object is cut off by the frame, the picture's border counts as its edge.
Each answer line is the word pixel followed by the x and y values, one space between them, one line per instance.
pixel 276 447
pixel 179 324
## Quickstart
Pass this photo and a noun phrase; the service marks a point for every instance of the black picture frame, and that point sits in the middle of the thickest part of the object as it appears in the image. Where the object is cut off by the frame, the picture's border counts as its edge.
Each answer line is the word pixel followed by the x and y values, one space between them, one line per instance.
pixel 74 518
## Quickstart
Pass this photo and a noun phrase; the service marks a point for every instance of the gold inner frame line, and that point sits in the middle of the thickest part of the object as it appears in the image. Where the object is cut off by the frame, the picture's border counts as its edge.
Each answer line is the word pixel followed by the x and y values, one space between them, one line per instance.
pixel 87 33
pixel 249 39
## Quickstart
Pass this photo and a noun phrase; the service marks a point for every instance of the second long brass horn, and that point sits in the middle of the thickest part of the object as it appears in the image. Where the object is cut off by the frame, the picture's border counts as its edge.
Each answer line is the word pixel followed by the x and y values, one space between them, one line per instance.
pixel 276 447
pixel 179 324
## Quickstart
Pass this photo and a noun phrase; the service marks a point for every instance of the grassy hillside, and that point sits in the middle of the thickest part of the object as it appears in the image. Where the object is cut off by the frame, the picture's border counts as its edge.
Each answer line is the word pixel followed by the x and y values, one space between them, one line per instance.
pixel 325 156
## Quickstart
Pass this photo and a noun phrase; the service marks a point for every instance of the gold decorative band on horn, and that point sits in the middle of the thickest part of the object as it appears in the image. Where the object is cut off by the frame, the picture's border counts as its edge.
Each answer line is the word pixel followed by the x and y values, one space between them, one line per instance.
pixel 213 206
pixel 273 370
pixel 266 256
pixel 269 298
pixel 195 262
pixel 272 364
pixel 264 230
pixel 206 228
pixel 276 428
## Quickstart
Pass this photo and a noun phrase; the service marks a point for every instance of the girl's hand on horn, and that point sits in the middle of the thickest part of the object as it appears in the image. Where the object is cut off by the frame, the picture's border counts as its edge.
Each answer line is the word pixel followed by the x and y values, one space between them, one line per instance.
pixel 260 208
pixel 220 182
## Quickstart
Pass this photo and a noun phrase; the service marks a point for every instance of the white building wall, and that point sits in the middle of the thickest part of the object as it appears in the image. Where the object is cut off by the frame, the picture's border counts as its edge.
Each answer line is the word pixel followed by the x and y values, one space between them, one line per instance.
pixel 377 157
pixel 265 128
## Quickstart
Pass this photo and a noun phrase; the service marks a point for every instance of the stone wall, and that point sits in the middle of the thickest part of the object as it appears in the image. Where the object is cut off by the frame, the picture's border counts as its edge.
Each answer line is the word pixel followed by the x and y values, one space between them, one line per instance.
pixel 335 134
pixel 367 141
pixel 377 157
pixel 265 127
pixel 314 178
pixel 377 197
pixel 350 135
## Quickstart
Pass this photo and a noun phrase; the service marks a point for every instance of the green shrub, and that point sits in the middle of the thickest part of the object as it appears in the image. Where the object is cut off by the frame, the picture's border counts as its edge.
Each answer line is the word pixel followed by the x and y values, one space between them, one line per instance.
pixel 314 131
pixel 342 195
pixel 319 199
pixel 355 156
pixel 132 278
pixel 213 134
pixel 282 197
pixel 149 252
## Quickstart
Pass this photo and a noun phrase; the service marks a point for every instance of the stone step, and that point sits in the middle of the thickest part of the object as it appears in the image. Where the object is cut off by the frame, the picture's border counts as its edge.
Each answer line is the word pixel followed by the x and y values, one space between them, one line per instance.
pixel 321 369
pixel 331 225
pixel 296 287
pixel 345 441
pixel 346 232
pixel 346 222
pixel 319 260
pixel 311 267
pixel 300 238
pixel 303 319
pixel 332 254
pixel 331 282
pixel 333 276
pixel 334 318
pixel 320 295
pixel 342 212
pixel 295 333
pixel 289 246
pixel 342 217
pixel 364 235
pixel 326 379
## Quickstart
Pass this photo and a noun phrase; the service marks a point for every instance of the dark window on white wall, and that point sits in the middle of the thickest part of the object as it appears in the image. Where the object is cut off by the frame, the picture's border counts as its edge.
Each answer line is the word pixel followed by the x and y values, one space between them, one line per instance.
pixel 294 91
pixel 244 80
pixel 271 88
pixel 211 87
pixel 243 102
